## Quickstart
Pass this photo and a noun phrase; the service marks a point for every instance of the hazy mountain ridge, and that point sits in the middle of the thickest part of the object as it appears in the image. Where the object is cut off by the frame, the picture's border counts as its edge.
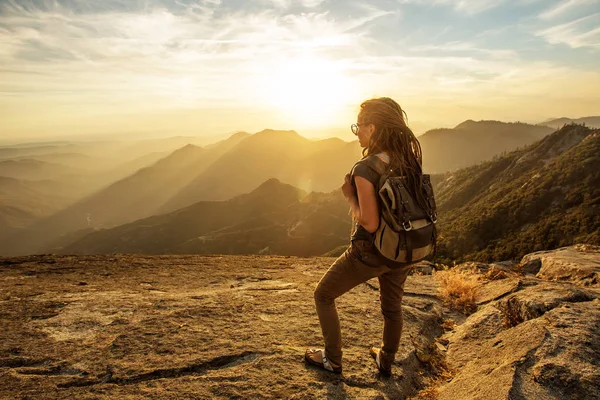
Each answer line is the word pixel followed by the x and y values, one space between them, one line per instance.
pixel 105 153
pixel 69 175
pixel 472 142
pixel 143 193
pixel 78 160
pixel 324 170
pixel 228 167
pixel 261 156
pixel 13 218
pixel 33 169
pixel 22 202
pixel 525 201
pixel 539 198
pixel 274 218
pixel 16 151
pixel 146 191
pixel 309 227
pixel 592 122
pixel 128 199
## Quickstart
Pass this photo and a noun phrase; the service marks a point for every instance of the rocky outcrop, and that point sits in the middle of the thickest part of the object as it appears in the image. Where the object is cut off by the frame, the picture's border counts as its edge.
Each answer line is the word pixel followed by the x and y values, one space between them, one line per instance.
pixel 196 327
pixel 203 327
pixel 530 338
pixel 579 264
pixel 554 357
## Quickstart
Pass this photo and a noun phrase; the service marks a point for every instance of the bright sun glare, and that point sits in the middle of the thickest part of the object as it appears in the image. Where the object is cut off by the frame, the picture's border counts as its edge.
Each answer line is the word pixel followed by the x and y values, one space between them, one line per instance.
pixel 309 91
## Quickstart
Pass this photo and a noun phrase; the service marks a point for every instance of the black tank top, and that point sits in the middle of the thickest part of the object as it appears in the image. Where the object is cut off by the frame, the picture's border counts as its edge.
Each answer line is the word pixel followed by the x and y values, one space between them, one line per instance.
pixel 360 169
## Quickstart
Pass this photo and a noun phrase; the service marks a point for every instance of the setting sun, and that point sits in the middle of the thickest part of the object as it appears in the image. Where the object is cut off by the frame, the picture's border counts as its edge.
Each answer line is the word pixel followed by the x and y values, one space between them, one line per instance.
pixel 309 91
pixel 213 67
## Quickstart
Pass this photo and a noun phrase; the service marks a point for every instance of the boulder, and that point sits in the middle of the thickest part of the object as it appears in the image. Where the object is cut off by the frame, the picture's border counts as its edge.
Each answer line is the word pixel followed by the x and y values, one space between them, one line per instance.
pixel 509 303
pixel 579 264
pixel 553 357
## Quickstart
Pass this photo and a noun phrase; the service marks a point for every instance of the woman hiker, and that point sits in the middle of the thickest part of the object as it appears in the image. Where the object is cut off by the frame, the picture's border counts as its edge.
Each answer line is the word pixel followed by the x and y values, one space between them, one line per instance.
pixel 382 132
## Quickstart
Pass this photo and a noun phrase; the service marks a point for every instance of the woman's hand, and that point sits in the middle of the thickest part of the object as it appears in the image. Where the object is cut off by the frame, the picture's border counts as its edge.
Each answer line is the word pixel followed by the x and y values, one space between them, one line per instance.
pixel 347 188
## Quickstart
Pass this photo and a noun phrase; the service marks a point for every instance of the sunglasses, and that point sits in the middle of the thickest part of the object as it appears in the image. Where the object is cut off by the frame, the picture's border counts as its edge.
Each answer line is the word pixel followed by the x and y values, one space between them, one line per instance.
pixel 354 128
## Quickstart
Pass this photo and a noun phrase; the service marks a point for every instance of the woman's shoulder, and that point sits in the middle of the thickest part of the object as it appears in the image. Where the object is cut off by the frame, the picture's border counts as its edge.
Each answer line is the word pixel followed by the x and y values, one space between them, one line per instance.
pixel 372 158
pixel 376 162
pixel 369 169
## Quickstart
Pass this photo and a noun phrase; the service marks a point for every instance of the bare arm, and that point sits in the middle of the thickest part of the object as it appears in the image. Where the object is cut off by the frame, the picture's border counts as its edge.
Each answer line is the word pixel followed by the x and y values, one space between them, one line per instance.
pixel 364 207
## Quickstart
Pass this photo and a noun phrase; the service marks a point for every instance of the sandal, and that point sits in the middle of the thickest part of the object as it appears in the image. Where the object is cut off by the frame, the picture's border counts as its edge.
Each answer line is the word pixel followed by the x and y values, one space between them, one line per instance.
pixel 376 354
pixel 324 364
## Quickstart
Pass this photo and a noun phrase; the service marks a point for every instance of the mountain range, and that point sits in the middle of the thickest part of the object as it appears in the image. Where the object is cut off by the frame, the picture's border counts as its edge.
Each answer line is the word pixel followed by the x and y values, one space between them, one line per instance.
pixel 275 218
pixel 472 142
pixel 591 122
pixel 180 186
pixel 541 197
pixel 285 155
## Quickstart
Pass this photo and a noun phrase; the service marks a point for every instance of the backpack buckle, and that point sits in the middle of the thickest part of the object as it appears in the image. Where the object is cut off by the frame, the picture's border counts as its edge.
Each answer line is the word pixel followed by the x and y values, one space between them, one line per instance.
pixel 407 228
pixel 433 217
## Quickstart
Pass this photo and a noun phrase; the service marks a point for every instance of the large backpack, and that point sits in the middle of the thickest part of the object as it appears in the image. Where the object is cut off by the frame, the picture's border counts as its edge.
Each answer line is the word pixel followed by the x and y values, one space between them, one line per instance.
pixel 406 232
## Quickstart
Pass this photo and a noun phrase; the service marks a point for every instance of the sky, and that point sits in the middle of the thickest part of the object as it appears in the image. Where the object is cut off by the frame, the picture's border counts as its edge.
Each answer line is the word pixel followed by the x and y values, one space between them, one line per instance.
pixel 83 68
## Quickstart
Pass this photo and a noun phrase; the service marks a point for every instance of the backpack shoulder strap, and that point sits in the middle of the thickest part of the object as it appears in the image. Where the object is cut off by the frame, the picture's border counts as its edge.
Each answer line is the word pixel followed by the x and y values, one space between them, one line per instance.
pixel 375 163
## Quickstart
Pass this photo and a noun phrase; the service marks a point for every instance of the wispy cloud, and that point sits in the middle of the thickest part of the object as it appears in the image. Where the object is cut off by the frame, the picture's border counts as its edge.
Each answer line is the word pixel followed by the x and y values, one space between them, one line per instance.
pixel 142 50
pixel 468 48
pixel 186 55
pixel 290 3
pixel 563 7
pixel 583 32
pixel 468 7
pixel 75 58
pixel 472 7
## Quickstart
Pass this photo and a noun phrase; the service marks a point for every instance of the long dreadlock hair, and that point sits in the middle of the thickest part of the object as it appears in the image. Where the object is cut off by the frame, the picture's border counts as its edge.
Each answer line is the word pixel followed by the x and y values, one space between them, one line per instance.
pixel 393 135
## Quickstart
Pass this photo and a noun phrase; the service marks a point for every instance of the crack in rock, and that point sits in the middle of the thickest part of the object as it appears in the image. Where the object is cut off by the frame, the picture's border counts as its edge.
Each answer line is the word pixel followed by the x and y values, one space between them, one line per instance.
pixel 44 316
pixel 10 262
pixel 194 369
pixel 17 362
pixel 56 370
pixel 517 310
pixel 424 295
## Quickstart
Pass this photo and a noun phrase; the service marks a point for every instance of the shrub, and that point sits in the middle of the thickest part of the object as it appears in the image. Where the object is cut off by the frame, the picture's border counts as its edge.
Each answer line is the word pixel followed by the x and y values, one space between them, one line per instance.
pixel 458 289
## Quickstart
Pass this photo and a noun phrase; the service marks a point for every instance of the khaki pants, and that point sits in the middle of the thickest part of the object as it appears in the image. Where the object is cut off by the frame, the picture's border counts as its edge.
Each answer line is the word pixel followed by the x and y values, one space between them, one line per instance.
pixel 358 264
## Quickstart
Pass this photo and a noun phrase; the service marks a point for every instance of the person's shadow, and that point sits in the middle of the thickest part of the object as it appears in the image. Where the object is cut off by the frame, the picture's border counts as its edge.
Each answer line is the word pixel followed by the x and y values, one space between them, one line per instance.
pixel 393 387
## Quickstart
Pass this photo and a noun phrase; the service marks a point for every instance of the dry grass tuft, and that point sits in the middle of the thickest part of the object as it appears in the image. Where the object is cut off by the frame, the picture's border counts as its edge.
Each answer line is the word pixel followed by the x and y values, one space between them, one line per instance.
pixel 458 289
pixel 494 274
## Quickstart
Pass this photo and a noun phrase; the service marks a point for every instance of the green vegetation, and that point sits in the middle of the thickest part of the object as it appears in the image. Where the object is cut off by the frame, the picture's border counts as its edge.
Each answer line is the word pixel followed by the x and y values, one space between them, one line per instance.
pixel 539 198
